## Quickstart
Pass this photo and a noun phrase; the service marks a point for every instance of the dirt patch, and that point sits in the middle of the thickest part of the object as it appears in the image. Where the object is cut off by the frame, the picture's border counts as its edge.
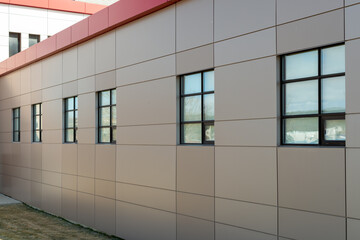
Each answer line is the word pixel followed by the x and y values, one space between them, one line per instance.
pixel 19 222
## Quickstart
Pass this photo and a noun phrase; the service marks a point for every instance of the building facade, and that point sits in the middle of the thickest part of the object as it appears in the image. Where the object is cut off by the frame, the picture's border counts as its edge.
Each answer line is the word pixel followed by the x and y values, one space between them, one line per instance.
pixel 193 119
pixel 24 23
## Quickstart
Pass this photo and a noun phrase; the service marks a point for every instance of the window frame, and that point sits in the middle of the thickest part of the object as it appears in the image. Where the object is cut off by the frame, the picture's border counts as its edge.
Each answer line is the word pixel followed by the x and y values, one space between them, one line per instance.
pixel 34 115
pixel 203 122
pixel 75 127
pixel 111 126
pixel 14 120
pixel 322 117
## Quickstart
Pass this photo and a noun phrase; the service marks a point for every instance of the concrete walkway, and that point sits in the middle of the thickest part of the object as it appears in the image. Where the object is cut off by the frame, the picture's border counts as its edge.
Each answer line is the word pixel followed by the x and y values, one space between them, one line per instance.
pixel 6 200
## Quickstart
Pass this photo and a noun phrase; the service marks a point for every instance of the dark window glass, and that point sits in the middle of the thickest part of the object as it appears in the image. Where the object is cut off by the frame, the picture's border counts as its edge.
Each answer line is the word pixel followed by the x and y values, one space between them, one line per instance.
pixel 197 108
pixel 14 43
pixel 71 115
pixel 37 122
pixel 313 97
pixel 16 125
pixel 107 116
pixel 33 39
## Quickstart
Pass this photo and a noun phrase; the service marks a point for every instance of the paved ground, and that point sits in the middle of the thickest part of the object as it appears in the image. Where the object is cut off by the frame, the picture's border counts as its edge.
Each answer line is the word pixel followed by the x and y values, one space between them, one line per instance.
pixel 20 222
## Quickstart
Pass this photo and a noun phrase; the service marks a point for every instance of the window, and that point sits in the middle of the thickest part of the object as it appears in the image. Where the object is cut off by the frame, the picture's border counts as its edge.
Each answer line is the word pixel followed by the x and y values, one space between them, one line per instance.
pixel 313 97
pixel 33 39
pixel 16 125
pixel 107 116
pixel 37 122
pixel 14 43
pixel 71 119
pixel 197 108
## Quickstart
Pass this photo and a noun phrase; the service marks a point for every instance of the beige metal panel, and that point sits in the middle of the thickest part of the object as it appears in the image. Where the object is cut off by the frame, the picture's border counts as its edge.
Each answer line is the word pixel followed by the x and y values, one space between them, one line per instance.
pixel 86 160
pixel 86 59
pixel 144 71
pixel 352 182
pixel 70 65
pixel 257 132
pixel 154 224
pixel 327 28
pixel 70 89
pixel 86 185
pixel 105 81
pixel 69 204
pixel 292 10
pixel 105 188
pixel 86 209
pixel 86 111
pixel 196 59
pixel 312 179
pixel 36 97
pixel 52 115
pixel 69 159
pixel 36 194
pixel 242 91
pixel 194 205
pixel 25 80
pixel 194 23
pixel 52 93
pixel 251 216
pixel 351 18
pixel 86 85
pixel 227 232
pixel 189 228
pixel 154 36
pixel 51 199
pixel 147 134
pixel 52 136
pixel 52 71
pixel 146 196
pixel 153 107
pixel 69 181
pixel 310 226
pixel 353 229
pixel 152 166
pixel 251 46
pixel 36 155
pixel 352 58
pixel 86 136
pixel 51 178
pixel 195 169
pixel 233 17
pixel 36 76
pixel 248 174
pixel 105 162
pixel 105 52
pixel 105 214
pixel 51 157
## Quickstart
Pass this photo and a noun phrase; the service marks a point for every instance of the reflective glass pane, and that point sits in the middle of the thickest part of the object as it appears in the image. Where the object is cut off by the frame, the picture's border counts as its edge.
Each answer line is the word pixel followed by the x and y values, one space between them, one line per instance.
pixel 209 133
pixel 333 95
pixel 114 134
pixel 37 136
pixel 16 137
pixel 301 131
pixel 33 39
pixel 192 133
pixel 113 116
pixel 70 119
pixel 104 98
pixel 333 60
pixel 208 81
pixel 192 83
pixel 14 43
pixel 113 96
pixel 69 135
pixel 104 135
pixel 37 122
pixel 301 97
pixel 209 106
pixel 17 125
pixel 301 65
pixel 16 112
pixel 105 116
pixel 335 130
pixel 69 103
pixel 192 108
pixel 76 103
pixel 37 109
pixel 76 118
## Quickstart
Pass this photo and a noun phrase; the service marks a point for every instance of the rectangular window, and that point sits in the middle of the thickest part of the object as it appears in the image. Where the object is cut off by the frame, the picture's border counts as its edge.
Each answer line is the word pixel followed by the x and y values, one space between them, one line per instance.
pixel 197 108
pixel 16 125
pixel 107 116
pixel 33 39
pixel 37 122
pixel 313 97
pixel 14 43
pixel 71 119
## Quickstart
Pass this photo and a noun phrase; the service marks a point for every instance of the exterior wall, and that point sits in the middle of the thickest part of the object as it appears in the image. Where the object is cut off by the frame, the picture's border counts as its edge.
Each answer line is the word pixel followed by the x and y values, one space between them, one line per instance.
pixel 147 186
pixel 102 2
pixel 28 20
